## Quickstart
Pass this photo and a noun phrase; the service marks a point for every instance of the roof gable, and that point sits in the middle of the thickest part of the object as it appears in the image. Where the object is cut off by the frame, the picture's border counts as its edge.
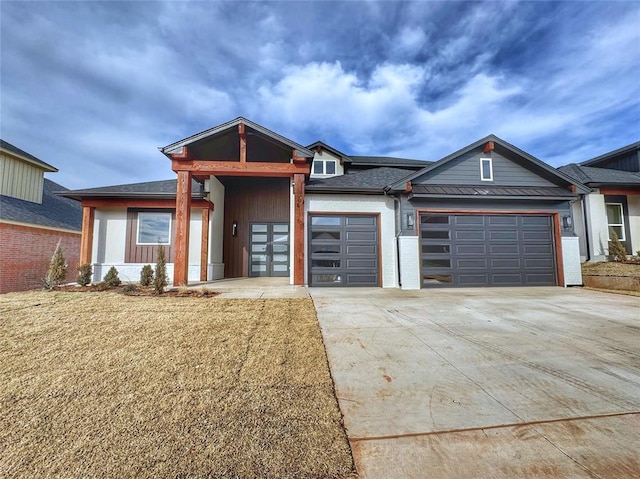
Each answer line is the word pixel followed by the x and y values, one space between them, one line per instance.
pixel 515 168
pixel 12 150
pixel 626 158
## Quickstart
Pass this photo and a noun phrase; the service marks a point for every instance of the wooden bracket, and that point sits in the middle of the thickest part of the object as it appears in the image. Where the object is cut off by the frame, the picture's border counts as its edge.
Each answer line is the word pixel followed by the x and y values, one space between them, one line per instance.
pixel 488 147
pixel 298 159
pixel 408 188
pixel 183 155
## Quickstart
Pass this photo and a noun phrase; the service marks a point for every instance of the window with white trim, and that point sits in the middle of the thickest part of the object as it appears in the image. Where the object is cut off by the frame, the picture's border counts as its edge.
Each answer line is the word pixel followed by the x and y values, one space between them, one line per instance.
pixel 486 169
pixel 154 228
pixel 615 220
pixel 324 167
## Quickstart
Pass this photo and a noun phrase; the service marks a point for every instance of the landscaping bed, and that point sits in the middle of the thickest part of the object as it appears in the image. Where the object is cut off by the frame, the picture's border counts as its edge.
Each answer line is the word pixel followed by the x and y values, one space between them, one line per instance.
pixel 106 385
pixel 612 275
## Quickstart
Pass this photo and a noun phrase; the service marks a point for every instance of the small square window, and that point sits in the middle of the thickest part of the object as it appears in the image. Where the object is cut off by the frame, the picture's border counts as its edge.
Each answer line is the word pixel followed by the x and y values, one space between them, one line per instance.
pixel 486 169
pixel 154 228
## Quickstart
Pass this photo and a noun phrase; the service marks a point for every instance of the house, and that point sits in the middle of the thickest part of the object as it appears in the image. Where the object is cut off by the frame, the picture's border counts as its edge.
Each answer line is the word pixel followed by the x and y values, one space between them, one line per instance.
pixel 32 220
pixel 250 202
pixel 613 204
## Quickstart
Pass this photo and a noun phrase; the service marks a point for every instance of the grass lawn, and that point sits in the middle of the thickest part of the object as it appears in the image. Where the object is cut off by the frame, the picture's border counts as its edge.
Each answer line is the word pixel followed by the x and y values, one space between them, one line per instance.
pixel 106 385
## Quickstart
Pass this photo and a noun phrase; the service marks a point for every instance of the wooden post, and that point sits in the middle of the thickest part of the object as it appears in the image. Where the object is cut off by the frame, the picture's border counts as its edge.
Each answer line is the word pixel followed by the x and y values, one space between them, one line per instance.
pixel 86 242
pixel 243 143
pixel 298 231
pixel 204 247
pixel 183 218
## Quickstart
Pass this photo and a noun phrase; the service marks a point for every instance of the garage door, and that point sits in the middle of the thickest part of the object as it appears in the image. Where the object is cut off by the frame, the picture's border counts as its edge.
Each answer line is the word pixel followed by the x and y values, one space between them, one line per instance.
pixel 343 250
pixel 487 250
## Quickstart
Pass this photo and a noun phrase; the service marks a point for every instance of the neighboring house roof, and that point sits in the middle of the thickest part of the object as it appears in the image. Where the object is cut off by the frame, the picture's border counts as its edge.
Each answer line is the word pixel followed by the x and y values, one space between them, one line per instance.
pixel 549 170
pixel 512 192
pixel 612 154
pixel 5 145
pixel 149 189
pixel 388 161
pixel 592 176
pixel 177 146
pixel 366 181
pixel 330 149
pixel 54 211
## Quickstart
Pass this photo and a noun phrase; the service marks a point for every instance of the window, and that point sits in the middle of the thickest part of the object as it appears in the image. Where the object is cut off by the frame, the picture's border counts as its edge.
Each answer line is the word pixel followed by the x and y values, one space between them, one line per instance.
pixel 615 220
pixel 324 167
pixel 154 228
pixel 486 169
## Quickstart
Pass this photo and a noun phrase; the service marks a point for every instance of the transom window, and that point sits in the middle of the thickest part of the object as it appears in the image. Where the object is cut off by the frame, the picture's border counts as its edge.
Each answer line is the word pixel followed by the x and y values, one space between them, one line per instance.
pixel 324 167
pixel 615 220
pixel 154 228
pixel 486 169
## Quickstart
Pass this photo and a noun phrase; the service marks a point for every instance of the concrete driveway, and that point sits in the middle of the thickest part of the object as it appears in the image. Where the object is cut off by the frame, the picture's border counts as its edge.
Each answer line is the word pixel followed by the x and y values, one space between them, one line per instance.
pixel 491 382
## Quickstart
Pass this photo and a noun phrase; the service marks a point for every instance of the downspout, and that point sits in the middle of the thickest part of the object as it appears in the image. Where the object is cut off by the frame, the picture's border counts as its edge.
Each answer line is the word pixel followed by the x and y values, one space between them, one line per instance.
pixel 586 226
pixel 397 201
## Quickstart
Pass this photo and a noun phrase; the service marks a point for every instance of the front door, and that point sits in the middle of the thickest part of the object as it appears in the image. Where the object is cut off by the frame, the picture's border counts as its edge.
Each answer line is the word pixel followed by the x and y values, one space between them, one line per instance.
pixel 269 253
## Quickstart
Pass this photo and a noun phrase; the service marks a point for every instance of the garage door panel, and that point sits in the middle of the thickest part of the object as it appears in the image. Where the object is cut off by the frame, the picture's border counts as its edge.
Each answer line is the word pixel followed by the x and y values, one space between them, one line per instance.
pixel 487 250
pixel 343 250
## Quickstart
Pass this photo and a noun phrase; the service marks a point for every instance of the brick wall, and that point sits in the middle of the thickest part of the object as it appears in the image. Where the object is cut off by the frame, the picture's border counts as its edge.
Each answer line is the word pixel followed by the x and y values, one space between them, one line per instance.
pixel 25 253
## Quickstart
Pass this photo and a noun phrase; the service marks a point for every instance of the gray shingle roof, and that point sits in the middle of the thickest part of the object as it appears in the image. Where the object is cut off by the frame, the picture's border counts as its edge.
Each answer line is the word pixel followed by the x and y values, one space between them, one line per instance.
pixel 591 175
pixel 54 211
pixel 372 180
pixel 5 145
pixel 149 189
pixel 388 161
pixel 492 190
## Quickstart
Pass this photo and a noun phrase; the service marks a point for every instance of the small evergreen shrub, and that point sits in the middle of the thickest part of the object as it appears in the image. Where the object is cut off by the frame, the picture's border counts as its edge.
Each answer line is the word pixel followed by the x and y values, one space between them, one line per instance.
pixel 84 274
pixel 146 275
pixel 616 248
pixel 111 279
pixel 57 271
pixel 160 278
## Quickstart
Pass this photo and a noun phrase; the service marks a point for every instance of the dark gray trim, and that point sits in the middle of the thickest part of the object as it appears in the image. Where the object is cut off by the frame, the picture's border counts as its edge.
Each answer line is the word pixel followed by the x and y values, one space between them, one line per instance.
pixel 15 151
pixel 611 154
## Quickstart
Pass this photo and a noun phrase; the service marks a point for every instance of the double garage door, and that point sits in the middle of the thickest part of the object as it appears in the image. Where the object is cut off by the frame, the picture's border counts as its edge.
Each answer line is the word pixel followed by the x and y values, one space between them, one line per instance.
pixel 487 250
pixel 343 250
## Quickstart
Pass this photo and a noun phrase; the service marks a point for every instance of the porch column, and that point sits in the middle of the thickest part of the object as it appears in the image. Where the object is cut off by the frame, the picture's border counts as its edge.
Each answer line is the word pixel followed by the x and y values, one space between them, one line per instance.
pixel 204 246
pixel 183 218
pixel 298 231
pixel 86 241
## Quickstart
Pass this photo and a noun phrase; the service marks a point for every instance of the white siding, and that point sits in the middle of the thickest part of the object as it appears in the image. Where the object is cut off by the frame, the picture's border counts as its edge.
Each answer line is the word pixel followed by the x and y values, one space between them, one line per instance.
pixel 409 252
pixel 597 227
pixel 20 179
pixel 362 204
pixel 571 261
pixel 633 202
pixel 325 155
pixel 216 196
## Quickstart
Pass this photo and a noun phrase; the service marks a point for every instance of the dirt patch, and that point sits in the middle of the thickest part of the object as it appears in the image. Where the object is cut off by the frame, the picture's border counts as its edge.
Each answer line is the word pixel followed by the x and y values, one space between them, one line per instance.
pixel 611 268
pixel 136 290
pixel 106 385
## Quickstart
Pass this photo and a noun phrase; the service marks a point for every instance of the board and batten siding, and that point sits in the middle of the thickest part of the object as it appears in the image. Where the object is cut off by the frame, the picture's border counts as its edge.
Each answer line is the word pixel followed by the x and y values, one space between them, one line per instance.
pixel 19 179
pixel 465 170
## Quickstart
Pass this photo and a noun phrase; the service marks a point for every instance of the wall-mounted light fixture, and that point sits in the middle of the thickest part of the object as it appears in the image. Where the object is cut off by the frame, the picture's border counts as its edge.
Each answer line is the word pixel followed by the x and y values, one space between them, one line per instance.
pixel 410 222
pixel 566 222
pixel 234 229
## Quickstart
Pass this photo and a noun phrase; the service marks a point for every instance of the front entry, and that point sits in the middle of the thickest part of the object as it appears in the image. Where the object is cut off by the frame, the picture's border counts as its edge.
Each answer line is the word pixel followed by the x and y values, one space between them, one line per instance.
pixel 269 249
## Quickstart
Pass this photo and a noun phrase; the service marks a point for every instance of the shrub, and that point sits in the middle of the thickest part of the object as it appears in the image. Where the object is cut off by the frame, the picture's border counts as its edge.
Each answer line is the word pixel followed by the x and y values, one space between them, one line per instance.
pixel 57 271
pixel 160 277
pixel 84 274
pixel 111 279
pixel 616 248
pixel 146 275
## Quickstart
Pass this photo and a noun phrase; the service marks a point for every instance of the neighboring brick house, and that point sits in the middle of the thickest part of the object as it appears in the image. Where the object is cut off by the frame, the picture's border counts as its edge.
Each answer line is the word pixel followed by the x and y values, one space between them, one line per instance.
pixel 32 221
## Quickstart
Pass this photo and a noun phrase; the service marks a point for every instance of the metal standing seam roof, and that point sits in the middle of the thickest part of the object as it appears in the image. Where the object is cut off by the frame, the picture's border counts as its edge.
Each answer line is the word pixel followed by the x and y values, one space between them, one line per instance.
pixel 149 189
pixel 54 211
pixel 5 145
pixel 535 192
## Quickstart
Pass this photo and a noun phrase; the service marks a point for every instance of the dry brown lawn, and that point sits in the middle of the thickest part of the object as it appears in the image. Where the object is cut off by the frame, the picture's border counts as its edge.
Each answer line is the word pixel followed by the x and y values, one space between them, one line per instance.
pixel 106 385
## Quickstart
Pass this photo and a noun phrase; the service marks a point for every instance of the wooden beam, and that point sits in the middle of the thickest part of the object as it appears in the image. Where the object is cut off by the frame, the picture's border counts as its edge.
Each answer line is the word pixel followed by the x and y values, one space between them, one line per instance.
pixel 183 217
pixel 488 147
pixel 408 187
pixel 143 203
pixel 298 229
pixel 86 241
pixel 620 191
pixel 557 236
pixel 243 143
pixel 183 155
pixel 297 158
pixel 236 168
pixel 204 245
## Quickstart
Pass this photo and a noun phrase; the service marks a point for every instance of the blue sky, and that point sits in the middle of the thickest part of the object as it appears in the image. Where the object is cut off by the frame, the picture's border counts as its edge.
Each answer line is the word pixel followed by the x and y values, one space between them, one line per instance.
pixel 95 87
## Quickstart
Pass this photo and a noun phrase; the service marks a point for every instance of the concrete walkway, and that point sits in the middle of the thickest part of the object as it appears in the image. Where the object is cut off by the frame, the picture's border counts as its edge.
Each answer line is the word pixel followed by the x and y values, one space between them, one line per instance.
pixel 491 382
pixel 254 288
